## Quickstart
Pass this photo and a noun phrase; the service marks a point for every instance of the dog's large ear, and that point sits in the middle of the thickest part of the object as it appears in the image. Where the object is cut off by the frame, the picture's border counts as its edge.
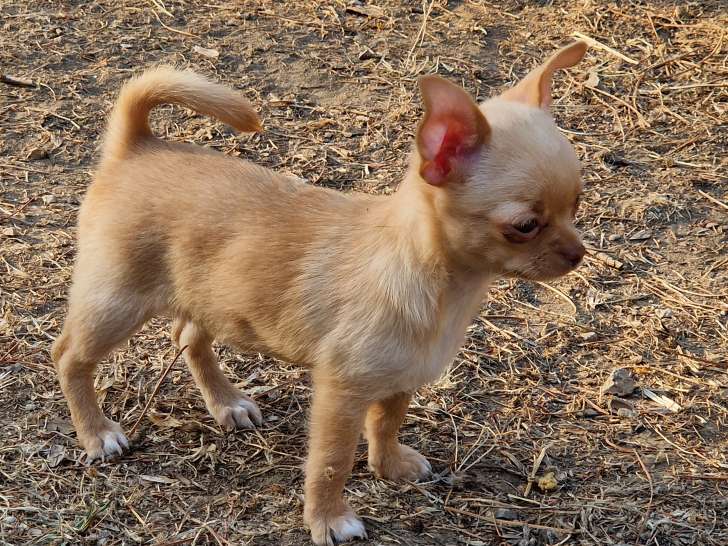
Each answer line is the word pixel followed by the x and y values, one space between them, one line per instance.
pixel 535 88
pixel 451 132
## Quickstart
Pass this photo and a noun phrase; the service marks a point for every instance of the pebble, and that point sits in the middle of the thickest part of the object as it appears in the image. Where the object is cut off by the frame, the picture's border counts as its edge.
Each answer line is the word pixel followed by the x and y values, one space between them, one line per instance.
pixel 506 513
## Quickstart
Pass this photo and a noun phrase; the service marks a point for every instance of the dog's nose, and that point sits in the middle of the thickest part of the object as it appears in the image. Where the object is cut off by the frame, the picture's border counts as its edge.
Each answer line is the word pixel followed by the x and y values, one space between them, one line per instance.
pixel 573 254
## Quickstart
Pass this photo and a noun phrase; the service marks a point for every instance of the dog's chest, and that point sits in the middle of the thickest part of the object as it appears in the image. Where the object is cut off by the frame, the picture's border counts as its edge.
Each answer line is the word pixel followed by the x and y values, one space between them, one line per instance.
pixel 424 362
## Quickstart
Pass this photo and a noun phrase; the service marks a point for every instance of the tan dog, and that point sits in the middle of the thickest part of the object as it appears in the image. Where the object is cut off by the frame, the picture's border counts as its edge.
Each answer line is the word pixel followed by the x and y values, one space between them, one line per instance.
pixel 373 293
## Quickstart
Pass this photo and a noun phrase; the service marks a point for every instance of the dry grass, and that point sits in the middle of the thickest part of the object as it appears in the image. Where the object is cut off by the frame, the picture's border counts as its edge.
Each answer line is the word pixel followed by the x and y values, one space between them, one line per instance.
pixel 336 87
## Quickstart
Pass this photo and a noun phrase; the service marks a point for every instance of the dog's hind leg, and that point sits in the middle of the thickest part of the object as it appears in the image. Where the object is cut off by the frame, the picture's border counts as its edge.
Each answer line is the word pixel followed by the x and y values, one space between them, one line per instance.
pixel 100 318
pixel 387 457
pixel 230 407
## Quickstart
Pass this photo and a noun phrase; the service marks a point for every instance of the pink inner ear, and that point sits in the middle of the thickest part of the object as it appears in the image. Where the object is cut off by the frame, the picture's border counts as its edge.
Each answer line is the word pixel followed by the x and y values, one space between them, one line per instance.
pixel 449 147
pixel 444 142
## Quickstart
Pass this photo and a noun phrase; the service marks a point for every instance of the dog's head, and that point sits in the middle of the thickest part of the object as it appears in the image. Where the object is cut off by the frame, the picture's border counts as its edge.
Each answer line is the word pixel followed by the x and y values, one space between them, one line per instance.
pixel 504 180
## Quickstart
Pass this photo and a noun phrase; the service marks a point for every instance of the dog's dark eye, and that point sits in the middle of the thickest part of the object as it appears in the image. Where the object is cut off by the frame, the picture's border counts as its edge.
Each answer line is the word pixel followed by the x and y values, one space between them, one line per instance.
pixel 526 227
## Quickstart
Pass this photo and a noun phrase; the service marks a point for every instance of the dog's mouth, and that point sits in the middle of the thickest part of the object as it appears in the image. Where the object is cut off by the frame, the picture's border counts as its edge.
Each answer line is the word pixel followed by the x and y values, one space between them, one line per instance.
pixel 542 275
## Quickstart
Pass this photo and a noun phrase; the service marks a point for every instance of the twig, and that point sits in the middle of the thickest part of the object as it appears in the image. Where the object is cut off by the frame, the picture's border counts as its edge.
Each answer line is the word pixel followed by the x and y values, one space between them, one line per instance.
pixel 399 538
pixel 182 32
pixel 22 168
pixel 161 7
pixel 649 502
pixel 17 82
pixel 640 117
pixel 713 199
pixel 534 470
pixel 421 33
pixel 59 116
pixel 156 389
pixel 20 208
pixel 559 293
pixel 509 523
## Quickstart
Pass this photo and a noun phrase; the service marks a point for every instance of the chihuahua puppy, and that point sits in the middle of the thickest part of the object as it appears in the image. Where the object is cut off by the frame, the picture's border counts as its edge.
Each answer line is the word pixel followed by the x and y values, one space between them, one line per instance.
pixel 372 293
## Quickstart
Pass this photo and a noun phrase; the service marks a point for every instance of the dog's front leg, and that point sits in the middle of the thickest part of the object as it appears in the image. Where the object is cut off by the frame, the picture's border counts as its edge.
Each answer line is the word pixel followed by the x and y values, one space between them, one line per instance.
pixel 337 418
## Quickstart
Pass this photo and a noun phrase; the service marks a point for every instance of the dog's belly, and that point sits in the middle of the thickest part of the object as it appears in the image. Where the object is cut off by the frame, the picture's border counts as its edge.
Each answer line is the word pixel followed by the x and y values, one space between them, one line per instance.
pixel 373 352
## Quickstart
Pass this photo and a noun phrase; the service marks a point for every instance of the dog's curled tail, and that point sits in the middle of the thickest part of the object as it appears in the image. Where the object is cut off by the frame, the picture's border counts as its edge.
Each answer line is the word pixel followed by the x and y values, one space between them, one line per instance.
pixel 128 123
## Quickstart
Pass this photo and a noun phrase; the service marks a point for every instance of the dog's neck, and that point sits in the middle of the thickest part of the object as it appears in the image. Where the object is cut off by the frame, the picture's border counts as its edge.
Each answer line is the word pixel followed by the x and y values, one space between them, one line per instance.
pixel 419 212
pixel 409 253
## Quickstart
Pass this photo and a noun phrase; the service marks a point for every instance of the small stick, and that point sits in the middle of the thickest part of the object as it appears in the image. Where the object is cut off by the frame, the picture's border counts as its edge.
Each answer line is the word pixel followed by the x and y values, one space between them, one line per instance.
pixel 160 6
pixel 717 477
pixel 17 82
pixel 559 293
pixel 652 487
pixel 182 32
pixel 597 44
pixel 640 117
pixel 59 116
pixel 20 208
pixel 534 470
pixel 509 523
pixel 713 199
pixel 156 389
pixel 421 33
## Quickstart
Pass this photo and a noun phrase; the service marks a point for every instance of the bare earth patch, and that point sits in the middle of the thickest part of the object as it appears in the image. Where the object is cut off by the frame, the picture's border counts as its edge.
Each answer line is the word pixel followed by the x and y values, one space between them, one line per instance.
pixel 525 447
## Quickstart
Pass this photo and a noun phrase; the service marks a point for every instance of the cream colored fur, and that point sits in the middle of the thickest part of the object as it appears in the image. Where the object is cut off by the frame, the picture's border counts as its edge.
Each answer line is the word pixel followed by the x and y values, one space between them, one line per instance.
pixel 373 293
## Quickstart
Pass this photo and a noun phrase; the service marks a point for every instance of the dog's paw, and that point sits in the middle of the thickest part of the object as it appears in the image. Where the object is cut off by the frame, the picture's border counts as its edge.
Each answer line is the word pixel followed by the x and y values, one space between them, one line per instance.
pixel 404 463
pixel 239 413
pixel 329 531
pixel 105 443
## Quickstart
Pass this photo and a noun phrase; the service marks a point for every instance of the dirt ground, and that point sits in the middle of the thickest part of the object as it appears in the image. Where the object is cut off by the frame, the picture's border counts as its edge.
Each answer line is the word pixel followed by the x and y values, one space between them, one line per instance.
pixel 335 83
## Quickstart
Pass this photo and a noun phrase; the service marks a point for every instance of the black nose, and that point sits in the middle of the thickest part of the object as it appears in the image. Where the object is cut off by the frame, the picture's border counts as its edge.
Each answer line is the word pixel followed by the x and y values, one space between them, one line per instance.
pixel 573 254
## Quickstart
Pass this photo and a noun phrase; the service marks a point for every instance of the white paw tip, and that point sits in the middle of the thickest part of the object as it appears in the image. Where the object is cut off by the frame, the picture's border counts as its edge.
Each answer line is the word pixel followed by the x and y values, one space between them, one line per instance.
pixel 347 527
pixel 242 413
pixel 427 466
pixel 112 443
pixel 252 409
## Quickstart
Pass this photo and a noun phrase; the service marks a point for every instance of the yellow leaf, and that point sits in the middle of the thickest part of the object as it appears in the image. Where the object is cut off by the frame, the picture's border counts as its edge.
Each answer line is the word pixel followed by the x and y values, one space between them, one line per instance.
pixel 547 482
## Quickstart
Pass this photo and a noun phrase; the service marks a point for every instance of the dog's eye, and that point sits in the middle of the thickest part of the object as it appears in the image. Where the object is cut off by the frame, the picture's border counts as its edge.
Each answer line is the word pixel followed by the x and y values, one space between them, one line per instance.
pixel 526 227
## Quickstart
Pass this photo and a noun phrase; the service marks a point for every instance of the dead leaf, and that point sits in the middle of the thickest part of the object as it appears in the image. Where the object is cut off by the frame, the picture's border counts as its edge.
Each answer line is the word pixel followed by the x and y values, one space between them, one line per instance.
pixel 157 479
pixel 622 407
pixel 105 383
pixel 205 52
pixel 593 80
pixel 56 454
pixel 641 235
pixel 165 421
pixel 58 425
pixel 366 11
pixel 506 513
pixel 611 262
pixel 320 123
pixel 37 153
pixel 662 400
pixel 620 383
